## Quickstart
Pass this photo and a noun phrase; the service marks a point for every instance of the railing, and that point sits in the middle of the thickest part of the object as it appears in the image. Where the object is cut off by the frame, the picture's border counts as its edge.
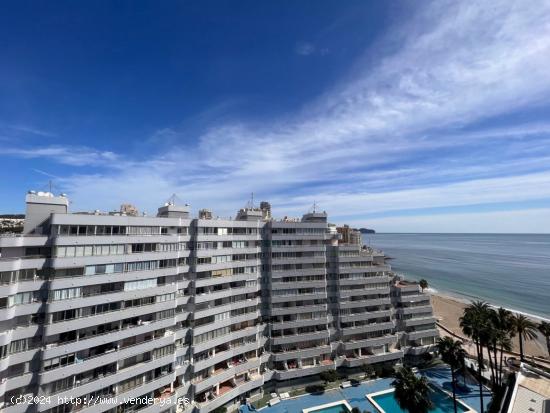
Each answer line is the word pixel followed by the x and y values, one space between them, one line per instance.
pixel 25 257
pixel 128 327
pixel 113 350
pixel 221 371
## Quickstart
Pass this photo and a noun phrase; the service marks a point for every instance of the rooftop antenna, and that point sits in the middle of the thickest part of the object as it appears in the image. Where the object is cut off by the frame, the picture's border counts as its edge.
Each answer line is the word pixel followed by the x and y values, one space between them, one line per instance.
pixel 314 207
pixel 51 186
pixel 250 203
pixel 173 200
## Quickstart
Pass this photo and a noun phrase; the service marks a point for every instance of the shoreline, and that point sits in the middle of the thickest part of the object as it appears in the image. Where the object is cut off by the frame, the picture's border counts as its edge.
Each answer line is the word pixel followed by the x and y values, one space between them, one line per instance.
pixel 468 300
pixel 448 309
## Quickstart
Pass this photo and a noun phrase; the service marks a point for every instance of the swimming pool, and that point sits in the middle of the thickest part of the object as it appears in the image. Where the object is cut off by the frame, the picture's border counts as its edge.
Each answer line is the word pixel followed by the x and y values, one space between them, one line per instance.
pixel 385 402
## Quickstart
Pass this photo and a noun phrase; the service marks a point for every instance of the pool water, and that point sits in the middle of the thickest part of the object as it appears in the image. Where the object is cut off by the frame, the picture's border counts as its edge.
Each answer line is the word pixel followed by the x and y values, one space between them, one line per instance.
pixel 442 403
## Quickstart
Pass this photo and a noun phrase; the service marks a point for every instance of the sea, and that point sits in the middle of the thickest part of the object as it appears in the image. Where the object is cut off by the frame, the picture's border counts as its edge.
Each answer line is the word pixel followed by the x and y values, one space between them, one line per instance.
pixel 508 270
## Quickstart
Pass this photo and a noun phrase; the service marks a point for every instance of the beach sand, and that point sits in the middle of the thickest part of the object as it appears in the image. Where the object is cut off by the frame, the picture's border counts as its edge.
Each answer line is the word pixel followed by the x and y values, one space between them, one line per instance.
pixel 448 310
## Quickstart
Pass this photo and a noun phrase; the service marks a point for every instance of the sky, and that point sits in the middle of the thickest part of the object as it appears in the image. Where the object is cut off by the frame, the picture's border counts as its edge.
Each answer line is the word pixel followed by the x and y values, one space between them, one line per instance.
pixel 398 116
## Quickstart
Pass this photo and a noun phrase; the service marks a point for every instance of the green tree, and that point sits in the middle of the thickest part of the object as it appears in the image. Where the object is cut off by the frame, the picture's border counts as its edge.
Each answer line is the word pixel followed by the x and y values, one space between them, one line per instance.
pixel 475 324
pixel 544 328
pixel 423 284
pixel 453 354
pixel 502 330
pixel 411 392
pixel 525 329
pixel 328 375
pixel 367 369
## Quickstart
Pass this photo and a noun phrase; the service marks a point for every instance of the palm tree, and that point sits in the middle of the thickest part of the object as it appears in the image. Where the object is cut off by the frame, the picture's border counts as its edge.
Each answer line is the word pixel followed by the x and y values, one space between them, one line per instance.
pixel 423 284
pixel 526 330
pixel 453 354
pixel 502 323
pixel 544 328
pixel 474 323
pixel 411 392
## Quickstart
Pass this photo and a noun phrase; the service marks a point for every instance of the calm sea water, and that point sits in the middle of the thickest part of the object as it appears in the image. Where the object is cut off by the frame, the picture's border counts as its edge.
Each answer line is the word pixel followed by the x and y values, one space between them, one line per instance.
pixel 512 271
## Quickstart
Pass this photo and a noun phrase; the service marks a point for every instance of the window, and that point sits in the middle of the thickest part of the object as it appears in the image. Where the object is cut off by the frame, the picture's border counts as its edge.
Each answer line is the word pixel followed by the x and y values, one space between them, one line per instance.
pixel 63 315
pixel 65 294
pixel 21 298
pixel 140 285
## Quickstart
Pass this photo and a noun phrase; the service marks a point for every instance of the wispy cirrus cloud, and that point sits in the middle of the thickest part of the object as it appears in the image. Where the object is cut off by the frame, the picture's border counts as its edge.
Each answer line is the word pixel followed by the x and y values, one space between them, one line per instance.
pixel 305 48
pixel 68 155
pixel 403 132
pixel 24 130
pixel 31 130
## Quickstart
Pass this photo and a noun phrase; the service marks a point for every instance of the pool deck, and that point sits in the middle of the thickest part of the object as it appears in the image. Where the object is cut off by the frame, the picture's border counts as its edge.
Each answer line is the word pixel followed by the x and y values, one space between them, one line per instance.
pixel 356 395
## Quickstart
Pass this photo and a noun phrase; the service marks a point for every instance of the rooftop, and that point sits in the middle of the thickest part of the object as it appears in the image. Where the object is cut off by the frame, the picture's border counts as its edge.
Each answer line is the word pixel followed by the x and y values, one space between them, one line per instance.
pixel 532 391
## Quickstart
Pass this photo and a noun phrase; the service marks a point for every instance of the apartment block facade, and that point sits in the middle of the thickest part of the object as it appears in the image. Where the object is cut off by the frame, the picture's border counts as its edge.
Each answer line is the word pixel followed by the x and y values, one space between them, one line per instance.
pixel 117 313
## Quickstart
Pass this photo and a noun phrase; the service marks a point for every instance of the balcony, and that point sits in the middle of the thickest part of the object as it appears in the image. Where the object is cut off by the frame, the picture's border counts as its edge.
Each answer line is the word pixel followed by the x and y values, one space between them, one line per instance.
pixel 415 309
pixel 411 322
pixel 368 328
pixel 251 316
pixel 371 302
pixel 297 338
pixel 301 353
pixel 222 375
pixel 415 335
pixel 301 248
pixel 368 315
pixel 229 394
pixel 298 260
pixel 298 323
pixel 90 384
pixel 364 280
pixel 299 297
pixel 108 356
pixel 413 298
pixel 212 309
pixel 228 292
pixel 234 335
pixel 365 291
pixel 207 281
pixel 303 371
pixel 370 342
pixel 298 309
pixel 298 272
pixel 372 358
pixel 275 285
pixel 419 350
pixel 58 348
pixel 220 356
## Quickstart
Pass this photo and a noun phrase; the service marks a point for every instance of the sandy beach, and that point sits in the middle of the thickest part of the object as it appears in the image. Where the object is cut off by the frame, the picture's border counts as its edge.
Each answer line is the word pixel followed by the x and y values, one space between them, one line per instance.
pixel 448 310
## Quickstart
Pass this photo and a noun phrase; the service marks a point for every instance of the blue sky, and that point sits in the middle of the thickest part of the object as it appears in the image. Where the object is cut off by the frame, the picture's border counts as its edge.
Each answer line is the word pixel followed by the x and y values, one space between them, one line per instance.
pixel 401 116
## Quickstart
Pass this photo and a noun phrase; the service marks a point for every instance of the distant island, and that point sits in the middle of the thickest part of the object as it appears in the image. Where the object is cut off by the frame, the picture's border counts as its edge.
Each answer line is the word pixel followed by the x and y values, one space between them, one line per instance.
pixel 367 231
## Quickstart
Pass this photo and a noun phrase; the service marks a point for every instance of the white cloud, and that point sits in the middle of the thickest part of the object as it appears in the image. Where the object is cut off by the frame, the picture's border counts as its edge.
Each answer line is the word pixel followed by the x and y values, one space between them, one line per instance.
pixel 30 130
pixel 452 65
pixel 305 48
pixel 74 156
